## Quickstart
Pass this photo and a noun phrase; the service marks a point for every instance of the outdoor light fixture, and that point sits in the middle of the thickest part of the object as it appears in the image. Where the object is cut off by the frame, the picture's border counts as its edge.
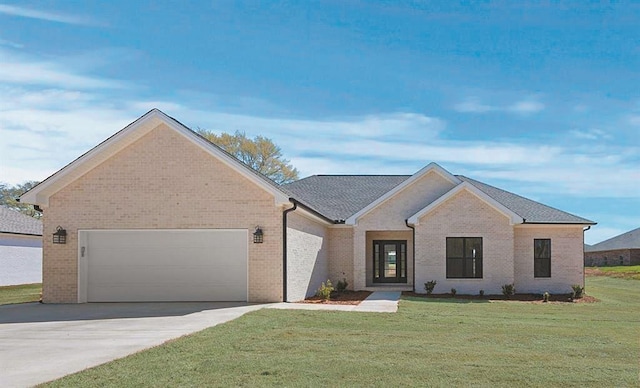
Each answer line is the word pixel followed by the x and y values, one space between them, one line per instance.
pixel 258 237
pixel 60 236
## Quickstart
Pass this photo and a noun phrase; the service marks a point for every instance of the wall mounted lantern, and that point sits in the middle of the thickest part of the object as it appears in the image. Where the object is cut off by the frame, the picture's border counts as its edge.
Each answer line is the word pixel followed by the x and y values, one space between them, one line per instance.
pixel 258 237
pixel 60 236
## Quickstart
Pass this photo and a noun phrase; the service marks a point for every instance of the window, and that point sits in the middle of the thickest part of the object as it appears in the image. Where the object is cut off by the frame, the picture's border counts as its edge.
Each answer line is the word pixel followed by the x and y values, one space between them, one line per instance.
pixel 542 258
pixel 464 257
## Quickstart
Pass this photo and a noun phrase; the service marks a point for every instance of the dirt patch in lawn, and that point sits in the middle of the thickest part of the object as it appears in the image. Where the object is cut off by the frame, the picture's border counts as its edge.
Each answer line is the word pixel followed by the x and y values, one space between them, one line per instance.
pixel 345 297
pixel 530 298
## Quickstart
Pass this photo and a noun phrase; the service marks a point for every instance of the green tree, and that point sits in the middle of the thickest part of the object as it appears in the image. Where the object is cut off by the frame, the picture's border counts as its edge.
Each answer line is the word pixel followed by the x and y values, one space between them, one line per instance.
pixel 259 153
pixel 9 195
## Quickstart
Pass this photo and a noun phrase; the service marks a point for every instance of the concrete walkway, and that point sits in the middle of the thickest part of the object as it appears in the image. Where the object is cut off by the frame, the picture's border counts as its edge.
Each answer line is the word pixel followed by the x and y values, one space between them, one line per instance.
pixel 43 342
pixel 377 302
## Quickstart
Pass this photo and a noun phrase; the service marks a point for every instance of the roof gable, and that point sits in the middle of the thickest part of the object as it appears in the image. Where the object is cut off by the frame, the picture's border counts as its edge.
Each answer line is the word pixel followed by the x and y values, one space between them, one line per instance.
pixel 431 167
pixel 513 217
pixel 41 193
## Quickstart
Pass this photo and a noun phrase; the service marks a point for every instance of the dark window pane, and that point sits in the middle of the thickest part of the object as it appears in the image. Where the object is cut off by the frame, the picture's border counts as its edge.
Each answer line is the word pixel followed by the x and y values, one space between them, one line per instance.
pixel 542 248
pixel 455 247
pixel 455 268
pixel 473 247
pixel 542 268
pixel 464 257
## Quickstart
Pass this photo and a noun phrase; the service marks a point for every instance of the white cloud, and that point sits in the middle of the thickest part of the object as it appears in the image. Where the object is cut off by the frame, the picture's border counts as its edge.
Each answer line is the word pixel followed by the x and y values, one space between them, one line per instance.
pixel 473 105
pixel 526 107
pixel 523 107
pixel 44 15
pixel 590 134
pixel 8 43
pixel 634 120
pixel 23 70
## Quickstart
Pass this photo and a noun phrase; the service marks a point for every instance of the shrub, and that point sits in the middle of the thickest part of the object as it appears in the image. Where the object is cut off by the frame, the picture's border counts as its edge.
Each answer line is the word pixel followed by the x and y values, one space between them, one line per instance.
pixel 545 297
pixel 342 285
pixel 508 290
pixel 453 291
pixel 578 291
pixel 481 293
pixel 429 286
pixel 325 290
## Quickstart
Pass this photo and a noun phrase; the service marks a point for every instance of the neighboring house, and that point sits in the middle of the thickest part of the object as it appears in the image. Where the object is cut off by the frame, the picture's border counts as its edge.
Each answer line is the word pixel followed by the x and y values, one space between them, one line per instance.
pixel 623 249
pixel 158 213
pixel 20 248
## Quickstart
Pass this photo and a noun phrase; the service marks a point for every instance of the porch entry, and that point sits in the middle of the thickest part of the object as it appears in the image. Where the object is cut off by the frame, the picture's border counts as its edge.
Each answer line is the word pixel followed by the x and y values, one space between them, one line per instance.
pixel 389 261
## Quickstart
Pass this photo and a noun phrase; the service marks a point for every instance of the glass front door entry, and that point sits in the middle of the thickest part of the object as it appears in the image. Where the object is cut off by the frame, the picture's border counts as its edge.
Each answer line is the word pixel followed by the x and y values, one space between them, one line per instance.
pixel 389 261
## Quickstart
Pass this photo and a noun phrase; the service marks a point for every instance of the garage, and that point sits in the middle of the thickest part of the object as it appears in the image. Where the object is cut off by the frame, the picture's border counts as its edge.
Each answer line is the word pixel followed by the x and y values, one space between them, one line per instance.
pixel 162 265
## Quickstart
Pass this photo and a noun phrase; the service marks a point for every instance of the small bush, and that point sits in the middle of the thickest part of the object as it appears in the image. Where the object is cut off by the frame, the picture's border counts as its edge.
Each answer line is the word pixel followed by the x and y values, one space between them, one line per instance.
pixel 454 291
pixel 429 286
pixel 325 290
pixel 578 291
pixel 545 297
pixel 342 285
pixel 481 293
pixel 508 290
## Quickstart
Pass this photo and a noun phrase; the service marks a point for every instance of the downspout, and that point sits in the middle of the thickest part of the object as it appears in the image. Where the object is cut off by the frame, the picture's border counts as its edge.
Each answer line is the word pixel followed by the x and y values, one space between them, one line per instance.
pixel 413 246
pixel 584 275
pixel 284 250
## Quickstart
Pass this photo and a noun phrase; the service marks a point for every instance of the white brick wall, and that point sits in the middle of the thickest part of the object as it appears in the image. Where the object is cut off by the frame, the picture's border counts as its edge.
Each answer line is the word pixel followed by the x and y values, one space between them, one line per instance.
pixel 307 256
pixel 162 181
pixel 566 258
pixel 464 215
pixel 391 216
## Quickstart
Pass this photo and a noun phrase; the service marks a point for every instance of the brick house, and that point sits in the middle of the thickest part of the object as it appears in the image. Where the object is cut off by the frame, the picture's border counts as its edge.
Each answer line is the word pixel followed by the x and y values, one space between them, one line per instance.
pixel 157 213
pixel 623 249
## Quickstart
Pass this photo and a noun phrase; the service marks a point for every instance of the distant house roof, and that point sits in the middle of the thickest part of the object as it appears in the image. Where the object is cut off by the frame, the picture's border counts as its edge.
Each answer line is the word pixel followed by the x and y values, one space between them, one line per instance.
pixel 628 240
pixel 340 196
pixel 14 222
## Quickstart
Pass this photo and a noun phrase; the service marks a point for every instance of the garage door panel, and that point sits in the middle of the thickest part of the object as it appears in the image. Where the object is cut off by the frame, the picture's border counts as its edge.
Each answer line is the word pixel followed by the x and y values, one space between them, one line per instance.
pixel 167 265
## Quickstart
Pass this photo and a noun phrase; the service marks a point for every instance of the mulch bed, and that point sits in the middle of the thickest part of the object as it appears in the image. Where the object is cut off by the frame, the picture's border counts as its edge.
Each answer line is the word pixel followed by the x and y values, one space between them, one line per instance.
pixel 344 297
pixel 531 298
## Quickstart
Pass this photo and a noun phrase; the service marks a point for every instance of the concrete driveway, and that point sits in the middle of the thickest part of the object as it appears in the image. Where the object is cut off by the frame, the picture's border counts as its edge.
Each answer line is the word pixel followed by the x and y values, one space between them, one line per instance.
pixel 39 342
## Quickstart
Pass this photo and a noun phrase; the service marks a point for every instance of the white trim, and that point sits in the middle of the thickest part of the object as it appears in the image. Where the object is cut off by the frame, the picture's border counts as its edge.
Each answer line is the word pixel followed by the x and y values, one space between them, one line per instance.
pixel 513 217
pixel 40 194
pixel 554 225
pixel 428 168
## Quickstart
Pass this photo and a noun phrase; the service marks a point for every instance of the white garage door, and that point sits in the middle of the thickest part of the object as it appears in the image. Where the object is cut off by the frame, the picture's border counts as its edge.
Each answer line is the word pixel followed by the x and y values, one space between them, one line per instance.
pixel 163 265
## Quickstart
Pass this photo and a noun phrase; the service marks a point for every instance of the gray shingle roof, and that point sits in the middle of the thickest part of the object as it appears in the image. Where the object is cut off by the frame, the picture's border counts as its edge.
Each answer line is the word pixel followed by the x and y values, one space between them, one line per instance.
pixel 340 196
pixel 628 240
pixel 14 222
pixel 532 211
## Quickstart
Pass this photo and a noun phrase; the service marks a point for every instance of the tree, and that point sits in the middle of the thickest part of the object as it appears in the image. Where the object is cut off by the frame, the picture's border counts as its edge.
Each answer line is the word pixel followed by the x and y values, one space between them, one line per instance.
pixel 9 195
pixel 259 153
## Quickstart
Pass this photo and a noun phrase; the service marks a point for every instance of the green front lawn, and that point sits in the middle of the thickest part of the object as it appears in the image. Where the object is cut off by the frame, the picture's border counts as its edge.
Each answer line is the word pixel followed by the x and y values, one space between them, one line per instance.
pixel 20 294
pixel 621 271
pixel 428 342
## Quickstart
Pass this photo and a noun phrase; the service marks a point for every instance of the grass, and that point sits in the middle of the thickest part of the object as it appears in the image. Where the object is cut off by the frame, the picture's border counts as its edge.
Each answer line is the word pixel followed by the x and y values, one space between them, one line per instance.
pixel 622 271
pixel 429 342
pixel 20 294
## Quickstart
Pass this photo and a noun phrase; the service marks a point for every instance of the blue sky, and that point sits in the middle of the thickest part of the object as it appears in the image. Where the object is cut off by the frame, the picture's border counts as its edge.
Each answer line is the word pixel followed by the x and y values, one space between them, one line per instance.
pixel 541 100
